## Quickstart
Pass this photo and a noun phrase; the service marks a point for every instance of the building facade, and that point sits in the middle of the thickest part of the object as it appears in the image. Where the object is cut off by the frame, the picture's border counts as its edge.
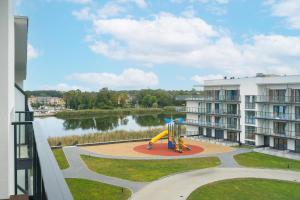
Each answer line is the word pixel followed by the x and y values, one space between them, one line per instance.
pixel 261 111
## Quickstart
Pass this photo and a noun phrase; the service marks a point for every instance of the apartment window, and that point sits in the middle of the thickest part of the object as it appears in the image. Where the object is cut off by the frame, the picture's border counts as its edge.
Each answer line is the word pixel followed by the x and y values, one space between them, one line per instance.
pixel 217 95
pixel 297 146
pixel 250 117
pixel 208 132
pixel 279 127
pixel 232 95
pixel 297 129
pixel 232 109
pixel 279 112
pixel 232 122
pixel 250 132
pixel 280 143
pixel 208 120
pixel 217 108
pixel 297 112
pixel 297 95
pixel 277 95
pixel 218 121
pixel 208 108
pixel 250 102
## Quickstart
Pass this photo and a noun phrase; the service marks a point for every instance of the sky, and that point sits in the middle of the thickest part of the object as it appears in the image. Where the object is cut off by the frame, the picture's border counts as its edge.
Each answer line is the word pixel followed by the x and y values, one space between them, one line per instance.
pixel 168 44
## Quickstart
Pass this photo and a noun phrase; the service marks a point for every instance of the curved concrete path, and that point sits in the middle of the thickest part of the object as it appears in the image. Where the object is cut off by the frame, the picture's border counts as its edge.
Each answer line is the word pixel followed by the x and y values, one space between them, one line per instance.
pixel 180 186
pixel 78 169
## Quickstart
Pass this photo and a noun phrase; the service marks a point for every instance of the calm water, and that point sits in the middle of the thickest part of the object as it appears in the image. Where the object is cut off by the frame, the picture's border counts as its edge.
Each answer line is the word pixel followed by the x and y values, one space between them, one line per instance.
pixel 62 127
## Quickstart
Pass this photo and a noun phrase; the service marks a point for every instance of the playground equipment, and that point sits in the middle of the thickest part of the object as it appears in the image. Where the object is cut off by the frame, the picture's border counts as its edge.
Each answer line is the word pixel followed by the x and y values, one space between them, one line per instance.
pixel 175 138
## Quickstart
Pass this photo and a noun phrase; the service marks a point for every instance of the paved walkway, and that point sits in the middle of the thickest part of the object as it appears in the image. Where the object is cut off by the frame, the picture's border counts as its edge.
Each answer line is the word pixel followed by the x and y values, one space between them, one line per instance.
pixel 180 186
pixel 279 153
pixel 78 169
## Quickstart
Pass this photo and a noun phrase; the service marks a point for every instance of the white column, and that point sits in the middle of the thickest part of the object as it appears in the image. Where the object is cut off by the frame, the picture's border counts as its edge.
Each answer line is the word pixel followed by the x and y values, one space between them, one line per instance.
pixel 7 98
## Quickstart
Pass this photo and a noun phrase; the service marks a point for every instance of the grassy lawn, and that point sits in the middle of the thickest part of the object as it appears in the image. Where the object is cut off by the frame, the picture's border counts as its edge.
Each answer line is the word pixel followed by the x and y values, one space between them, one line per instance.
pixel 243 146
pixel 248 189
pixel 87 190
pixel 146 170
pixel 60 158
pixel 254 159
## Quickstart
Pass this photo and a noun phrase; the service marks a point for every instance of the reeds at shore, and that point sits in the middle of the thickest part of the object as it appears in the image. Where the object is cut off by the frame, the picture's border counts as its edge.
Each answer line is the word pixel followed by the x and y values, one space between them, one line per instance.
pixel 103 137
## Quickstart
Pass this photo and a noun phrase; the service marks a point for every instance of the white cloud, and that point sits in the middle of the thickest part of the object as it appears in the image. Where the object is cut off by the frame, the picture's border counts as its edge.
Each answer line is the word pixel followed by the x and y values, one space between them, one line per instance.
pixel 167 39
pixel 83 14
pixel 211 1
pixel 129 78
pixel 64 87
pixel 200 79
pixel 139 3
pixel 32 52
pixel 80 1
pixel 289 9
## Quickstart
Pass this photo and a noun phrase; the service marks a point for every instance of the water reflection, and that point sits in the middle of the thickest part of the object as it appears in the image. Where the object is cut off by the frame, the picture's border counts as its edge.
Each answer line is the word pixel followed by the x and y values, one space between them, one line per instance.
pixel 60 127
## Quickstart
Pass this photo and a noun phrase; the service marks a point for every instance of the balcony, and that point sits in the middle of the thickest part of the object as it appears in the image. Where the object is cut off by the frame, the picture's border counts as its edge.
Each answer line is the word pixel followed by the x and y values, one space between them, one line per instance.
pixel 204 111
pixel 250 106
pixel 231 127
pixel 36 173
pixel 277 99
pixel 277 133
pixel 278 116
pixel 219 98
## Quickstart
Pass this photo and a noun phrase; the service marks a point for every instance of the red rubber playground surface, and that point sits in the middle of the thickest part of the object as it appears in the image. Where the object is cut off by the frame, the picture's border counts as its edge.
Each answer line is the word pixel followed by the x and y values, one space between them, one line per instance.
pixel 161 149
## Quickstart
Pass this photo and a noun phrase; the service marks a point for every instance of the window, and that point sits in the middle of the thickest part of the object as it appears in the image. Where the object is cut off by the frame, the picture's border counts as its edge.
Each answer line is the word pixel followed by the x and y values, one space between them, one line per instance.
pixel 208 120
pixel 297 94
pixel 232 95
pixel 297 112
pixel 278 95
pixel 208 108
pixel 279 128
pixel 208 132
pixel 250 132
pixel 217 108
pixel 250 117
pixel 279 112
pixel 232 109
pixel 297 129
pixel 218 121
pixel 232 122
pixel 250 102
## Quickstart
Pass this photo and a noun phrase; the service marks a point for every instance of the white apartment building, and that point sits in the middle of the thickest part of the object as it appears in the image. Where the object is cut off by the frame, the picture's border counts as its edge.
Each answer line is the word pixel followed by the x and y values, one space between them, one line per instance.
pixel 27 166
pixel 261 111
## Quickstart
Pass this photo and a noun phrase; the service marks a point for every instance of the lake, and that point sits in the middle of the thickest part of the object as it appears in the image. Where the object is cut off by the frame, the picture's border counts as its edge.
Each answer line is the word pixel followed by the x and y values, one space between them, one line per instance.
pixel 78 126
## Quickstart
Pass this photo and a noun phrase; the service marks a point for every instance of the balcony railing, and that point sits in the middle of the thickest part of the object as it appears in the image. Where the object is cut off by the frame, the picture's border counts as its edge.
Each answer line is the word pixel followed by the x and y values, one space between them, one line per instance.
pixel 207 111
pixel 249 105
pixel 220 98
pixel 233 127
pixel 277 133
pixel 277 99
pixel 278 116
pixel 36 171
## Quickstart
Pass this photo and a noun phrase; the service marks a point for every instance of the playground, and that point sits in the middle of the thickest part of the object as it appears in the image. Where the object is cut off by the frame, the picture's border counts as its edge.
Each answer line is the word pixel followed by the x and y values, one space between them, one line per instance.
pixel 170 142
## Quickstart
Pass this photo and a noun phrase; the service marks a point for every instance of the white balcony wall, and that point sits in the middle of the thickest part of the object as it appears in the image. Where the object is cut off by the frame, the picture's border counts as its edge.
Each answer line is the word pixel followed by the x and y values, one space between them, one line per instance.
pixel 7 100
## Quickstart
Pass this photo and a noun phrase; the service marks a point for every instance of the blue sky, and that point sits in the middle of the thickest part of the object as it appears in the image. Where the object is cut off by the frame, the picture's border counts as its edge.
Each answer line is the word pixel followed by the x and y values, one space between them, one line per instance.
pixel 170 44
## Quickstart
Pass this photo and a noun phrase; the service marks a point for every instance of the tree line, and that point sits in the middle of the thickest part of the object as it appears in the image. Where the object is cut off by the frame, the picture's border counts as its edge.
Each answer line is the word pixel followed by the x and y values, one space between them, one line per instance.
pixel 107 99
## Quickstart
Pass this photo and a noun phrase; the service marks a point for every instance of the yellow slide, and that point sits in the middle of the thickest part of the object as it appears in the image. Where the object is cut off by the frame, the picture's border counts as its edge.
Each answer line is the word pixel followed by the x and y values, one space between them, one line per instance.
pixel 156 138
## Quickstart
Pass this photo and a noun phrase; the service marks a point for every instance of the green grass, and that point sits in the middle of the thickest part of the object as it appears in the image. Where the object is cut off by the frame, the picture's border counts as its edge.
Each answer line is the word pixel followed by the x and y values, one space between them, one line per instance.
pixel 248 189
pixel 243 146
pixel 259 160
pixel 146 170
pixel 60 158
pixel 91 190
